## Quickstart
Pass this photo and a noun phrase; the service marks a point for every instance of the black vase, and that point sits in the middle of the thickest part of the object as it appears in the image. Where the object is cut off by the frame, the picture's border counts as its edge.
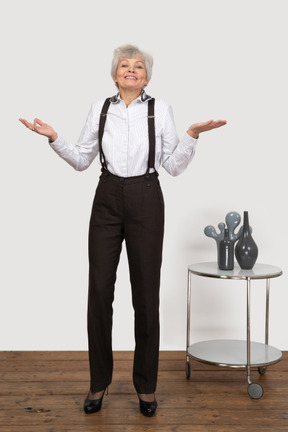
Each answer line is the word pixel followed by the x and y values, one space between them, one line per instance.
pixel 246 250
pixel 226 253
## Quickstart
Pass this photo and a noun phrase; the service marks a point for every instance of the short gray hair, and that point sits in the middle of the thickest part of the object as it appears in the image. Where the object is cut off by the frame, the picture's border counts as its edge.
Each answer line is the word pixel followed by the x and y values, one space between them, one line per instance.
pixel 131 51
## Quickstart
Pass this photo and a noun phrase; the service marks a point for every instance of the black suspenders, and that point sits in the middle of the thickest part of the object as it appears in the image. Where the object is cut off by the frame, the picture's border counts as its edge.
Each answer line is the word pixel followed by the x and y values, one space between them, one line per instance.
pixel 101 131
pixel 151 133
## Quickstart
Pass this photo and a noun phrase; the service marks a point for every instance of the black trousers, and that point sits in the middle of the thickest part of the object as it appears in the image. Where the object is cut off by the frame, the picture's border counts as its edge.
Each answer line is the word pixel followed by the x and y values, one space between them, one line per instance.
pixel 131 209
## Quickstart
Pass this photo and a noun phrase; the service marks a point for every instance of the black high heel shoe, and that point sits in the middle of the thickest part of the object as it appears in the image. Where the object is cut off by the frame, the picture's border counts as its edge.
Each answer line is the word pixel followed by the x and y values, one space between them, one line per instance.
pixel 92 406
pixel 147 408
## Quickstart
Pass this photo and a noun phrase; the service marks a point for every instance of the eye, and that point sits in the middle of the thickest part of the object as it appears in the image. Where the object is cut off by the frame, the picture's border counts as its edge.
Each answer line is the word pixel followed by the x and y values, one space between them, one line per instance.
pixel 139 67
pixel 124 65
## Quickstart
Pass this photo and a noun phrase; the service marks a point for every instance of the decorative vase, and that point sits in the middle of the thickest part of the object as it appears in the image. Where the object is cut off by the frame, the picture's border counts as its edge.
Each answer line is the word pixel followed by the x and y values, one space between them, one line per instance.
pixel 226 253
pixel 246 250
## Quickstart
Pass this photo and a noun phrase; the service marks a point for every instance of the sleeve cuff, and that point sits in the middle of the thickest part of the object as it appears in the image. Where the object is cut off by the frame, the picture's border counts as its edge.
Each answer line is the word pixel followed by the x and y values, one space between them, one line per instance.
pixel 189 142
pixel 57 142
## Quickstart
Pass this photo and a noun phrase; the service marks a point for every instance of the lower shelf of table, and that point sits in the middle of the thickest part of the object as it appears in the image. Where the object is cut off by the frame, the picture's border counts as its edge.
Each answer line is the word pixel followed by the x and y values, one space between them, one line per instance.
pixel 233 353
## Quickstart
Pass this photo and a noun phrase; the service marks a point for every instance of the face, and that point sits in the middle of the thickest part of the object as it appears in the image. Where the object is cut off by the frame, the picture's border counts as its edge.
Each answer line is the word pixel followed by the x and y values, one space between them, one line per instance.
pixel 131 74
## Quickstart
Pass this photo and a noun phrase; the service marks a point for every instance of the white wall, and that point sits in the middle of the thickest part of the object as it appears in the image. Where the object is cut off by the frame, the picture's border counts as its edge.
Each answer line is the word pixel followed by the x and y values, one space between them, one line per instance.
pixel 213 59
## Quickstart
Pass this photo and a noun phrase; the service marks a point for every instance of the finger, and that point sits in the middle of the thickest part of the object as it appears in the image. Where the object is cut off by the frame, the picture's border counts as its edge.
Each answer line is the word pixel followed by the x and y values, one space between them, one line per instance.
pixel 38 122
pixel 37 125
pixel 219 123
pixel 207 123
pixel 27 124
pixel 23 121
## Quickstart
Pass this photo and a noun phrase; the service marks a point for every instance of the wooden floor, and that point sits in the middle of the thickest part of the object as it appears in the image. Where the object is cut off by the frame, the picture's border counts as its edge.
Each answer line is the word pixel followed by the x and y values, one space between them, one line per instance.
pixel 44 391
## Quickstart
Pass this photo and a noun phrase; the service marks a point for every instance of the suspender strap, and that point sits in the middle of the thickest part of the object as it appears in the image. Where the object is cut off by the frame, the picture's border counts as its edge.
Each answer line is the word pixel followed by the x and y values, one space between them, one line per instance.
pixel 151 133
pixel 101 131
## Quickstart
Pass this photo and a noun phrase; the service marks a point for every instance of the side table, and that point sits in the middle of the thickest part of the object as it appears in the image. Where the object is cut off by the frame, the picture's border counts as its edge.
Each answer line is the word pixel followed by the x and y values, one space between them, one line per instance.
pixel 234 353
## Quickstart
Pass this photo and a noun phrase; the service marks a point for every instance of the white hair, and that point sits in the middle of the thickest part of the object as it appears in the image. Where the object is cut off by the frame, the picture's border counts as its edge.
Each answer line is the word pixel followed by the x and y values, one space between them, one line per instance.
pixel 131 51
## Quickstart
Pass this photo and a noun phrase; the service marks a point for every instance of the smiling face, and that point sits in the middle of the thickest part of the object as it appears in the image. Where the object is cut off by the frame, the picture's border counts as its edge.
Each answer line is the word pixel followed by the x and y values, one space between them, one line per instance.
pixel 131 74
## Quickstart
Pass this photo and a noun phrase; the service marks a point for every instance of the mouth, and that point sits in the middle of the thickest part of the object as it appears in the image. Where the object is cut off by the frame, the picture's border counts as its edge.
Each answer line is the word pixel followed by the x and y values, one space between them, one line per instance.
pixel 131 77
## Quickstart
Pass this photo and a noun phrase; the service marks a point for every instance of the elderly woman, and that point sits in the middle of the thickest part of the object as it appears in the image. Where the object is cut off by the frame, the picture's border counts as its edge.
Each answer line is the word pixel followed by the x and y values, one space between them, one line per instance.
pixel 133 135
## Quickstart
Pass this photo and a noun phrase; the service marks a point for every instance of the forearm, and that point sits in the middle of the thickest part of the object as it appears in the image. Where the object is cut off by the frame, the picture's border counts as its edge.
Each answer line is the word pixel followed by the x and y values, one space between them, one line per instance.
pixel 79 157
pixel 177 161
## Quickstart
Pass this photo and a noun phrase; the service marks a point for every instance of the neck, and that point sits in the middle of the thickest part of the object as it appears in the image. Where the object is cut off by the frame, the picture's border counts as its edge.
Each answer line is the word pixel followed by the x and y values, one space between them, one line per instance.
pixel 129 95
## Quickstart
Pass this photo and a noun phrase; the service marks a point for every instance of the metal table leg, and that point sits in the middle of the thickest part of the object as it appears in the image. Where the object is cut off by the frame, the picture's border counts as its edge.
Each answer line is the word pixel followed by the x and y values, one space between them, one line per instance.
pixel 188 369
pixel 267 311
pixel 255 390
pixel 263 369
pixel 248 330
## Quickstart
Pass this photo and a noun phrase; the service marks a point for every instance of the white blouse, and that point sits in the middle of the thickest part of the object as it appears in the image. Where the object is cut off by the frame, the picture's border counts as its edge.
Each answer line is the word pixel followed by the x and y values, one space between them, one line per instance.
pixel 125 141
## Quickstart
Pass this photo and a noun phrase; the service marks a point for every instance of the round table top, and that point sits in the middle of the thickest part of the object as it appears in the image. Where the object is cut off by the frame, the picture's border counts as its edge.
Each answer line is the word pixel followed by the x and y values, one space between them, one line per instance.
pixel 234 353
pixel 259 271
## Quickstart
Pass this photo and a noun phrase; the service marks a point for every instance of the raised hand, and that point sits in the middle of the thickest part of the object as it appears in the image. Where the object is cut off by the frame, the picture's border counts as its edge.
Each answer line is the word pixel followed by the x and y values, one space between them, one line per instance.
pixel 41 128
pixel 197 128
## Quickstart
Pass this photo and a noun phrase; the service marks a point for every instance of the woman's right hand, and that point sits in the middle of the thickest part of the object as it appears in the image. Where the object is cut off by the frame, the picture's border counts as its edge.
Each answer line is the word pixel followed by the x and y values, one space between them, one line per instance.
pixel 41 128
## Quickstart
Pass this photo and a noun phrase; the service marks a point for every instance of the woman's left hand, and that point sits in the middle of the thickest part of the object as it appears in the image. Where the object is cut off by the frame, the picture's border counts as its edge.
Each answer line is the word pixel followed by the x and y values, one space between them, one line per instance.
pixel 197 128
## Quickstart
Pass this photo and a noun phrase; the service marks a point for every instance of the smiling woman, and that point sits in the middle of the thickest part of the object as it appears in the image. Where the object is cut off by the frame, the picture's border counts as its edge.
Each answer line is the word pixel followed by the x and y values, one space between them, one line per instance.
pixel 128 205
pixel 131 52
pixel 131 74
pixel 131 71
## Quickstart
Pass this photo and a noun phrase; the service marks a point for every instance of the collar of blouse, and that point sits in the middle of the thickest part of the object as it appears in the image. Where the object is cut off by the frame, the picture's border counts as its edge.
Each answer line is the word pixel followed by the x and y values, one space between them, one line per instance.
pixel 143 97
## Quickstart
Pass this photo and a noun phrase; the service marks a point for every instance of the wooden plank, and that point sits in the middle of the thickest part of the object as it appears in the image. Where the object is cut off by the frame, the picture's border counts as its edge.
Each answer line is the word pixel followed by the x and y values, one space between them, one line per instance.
pixel 164 416
pixel 143 428
pixel 79 355
pixel 119 366
pixel 83 355
pixel 46 355
pixel 114 401
pixel 122 388
pixel 172 376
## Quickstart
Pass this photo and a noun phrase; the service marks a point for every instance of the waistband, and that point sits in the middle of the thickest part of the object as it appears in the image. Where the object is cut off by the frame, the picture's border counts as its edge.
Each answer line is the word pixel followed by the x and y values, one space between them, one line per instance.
pixel 106 175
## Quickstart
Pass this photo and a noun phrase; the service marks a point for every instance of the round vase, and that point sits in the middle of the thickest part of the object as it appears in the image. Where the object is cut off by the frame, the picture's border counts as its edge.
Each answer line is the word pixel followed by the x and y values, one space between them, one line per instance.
pixel 246 250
